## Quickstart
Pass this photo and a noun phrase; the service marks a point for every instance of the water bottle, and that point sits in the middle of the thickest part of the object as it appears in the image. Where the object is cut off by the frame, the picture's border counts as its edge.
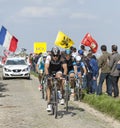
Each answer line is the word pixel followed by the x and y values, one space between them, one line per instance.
pixel 59 95
pixel 77 85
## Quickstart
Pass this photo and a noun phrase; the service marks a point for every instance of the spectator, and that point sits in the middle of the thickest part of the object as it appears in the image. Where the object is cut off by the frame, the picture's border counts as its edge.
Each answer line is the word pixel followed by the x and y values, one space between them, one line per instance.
pixel 105 72
pixel 85 52
pixel 74 52
pixel 114 73
pixel 95 72
pixel 89 74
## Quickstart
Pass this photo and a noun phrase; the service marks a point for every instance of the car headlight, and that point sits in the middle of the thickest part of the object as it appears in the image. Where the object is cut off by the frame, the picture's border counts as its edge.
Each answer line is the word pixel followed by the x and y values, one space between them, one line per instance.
pixel 7 70
pixel 26 69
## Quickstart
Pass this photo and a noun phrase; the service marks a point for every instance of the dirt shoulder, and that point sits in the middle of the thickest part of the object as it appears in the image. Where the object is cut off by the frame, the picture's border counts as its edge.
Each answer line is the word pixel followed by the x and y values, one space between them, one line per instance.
pixel 114 123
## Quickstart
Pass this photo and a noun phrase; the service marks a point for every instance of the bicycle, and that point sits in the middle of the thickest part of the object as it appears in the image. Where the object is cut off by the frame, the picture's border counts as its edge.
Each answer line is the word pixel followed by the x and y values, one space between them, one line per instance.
pixel 54 95
pixel 78 89
pixel 44 85
pixel 42 82
pixel 67 93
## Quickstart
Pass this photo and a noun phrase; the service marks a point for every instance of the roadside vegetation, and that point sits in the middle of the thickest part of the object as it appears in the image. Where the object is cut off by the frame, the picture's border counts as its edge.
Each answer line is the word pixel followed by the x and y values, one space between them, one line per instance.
pixel 34 73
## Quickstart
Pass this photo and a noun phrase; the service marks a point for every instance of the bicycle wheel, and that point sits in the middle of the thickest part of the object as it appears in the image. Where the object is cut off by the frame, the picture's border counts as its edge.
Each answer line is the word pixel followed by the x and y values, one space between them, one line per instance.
pixel 67 96
pixel 78 90
pixel 56 102
pixel 80 94
pixel 43 88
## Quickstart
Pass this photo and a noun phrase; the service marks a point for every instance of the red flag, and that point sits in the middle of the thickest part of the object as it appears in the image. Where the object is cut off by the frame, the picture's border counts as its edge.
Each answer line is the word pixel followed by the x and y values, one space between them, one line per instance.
pixel 13 44
pixel 90 42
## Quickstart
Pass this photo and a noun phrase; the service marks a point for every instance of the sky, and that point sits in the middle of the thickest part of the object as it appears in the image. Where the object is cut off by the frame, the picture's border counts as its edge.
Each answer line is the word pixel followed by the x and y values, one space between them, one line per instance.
pixel 40 20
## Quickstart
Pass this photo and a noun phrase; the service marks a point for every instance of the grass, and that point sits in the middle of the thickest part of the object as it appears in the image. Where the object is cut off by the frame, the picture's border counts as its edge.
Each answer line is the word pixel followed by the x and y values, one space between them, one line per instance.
pixel 34 73
pixel 105 104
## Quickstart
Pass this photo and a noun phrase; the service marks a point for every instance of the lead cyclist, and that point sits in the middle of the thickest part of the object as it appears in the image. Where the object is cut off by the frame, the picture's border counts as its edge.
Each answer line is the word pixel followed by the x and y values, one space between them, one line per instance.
pixel 54 64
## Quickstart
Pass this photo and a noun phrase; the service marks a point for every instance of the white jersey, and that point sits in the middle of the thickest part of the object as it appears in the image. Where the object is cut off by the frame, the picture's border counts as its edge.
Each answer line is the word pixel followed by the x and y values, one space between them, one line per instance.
pixel 48 59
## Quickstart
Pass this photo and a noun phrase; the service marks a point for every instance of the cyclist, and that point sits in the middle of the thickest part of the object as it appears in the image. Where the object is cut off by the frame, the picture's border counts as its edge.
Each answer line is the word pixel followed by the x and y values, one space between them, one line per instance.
pixel 71 68
pixel 40 68
pixel 55 65
pixel 81 69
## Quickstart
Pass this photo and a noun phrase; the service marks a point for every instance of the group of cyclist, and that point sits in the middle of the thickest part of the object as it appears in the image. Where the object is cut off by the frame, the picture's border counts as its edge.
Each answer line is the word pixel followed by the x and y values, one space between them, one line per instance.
pixel 65 65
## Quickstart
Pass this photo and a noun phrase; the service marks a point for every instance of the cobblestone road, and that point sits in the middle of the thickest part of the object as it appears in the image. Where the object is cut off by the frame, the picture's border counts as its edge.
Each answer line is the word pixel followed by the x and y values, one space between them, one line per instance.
pixel 21 106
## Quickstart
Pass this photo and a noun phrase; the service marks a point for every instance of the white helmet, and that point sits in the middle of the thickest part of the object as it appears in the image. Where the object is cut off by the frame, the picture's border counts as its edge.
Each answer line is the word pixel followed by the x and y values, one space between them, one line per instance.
pixel 78 58
pixel 45 54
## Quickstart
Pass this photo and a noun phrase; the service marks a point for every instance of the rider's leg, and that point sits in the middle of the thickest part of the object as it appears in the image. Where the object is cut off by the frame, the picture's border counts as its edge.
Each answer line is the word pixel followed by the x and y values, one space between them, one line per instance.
pixel 48 90
pixel 72 79
pixel 72 84
pixel 80 78
pixel 61 85
pixel 48 93
pixel 40 77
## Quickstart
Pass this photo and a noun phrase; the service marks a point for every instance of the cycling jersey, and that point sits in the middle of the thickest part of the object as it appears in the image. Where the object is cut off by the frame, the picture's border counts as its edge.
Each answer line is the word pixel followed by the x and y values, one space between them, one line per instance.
pixel 41 63
pixel 80 66
pixel 70 65
pixel 54 66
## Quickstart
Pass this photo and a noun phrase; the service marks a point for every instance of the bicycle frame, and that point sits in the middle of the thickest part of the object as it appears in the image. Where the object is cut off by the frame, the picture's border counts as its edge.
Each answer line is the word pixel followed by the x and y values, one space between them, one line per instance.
pixel 54 101
pixel 78 88
pixel 67 93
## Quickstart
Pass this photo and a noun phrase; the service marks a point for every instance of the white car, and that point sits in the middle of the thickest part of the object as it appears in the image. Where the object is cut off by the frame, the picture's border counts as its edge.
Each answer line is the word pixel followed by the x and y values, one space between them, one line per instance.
pixel 16 67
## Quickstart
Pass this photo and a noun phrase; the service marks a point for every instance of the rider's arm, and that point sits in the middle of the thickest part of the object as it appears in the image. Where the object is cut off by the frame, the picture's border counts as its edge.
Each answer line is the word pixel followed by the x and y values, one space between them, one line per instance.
pixel 46 69
pixel 64 68
pixel 47 63
pixel 85 71
pixel 75 67
pixel 37 65
pixel 84 68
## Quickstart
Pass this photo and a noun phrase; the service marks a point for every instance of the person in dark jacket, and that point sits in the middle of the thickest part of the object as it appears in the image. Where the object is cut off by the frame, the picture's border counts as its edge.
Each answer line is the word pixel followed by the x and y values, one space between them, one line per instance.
pixel 114 73
pixel 104 72
pixel 95 72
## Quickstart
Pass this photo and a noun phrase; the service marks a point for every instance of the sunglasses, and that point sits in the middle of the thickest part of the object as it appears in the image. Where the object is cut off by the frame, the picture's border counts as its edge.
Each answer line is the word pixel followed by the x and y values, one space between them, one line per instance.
pixel 55 55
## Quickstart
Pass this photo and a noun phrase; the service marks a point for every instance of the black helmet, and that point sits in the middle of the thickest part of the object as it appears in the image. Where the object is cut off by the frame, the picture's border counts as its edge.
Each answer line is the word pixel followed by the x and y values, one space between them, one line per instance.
pixel 55 51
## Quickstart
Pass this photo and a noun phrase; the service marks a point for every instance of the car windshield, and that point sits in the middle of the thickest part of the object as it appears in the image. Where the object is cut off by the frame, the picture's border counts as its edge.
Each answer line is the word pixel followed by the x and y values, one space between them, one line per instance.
pixel 15 62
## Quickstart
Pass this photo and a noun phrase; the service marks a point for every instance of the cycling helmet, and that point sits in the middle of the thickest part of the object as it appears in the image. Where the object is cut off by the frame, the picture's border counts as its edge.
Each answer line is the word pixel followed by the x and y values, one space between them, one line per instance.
pixel 68 52
pixel 55 51
pixel 45 54
pixel 80 52
pixel 78 58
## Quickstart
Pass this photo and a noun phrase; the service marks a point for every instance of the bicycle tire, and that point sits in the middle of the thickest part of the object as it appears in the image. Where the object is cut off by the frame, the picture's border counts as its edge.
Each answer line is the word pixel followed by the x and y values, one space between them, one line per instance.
pixel 43 96
pixel 80 94
pixel 53 109
pixel 56 102
pixel 67 96
pixel 45 86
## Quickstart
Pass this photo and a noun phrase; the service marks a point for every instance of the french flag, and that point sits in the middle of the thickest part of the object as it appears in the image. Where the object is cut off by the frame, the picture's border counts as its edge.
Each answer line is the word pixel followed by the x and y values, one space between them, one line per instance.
pixel 7 40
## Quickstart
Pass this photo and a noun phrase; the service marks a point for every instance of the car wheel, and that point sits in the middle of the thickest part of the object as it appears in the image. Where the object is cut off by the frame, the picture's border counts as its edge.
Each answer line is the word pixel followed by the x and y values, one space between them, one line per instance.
pixel 28 77
pixel 3 78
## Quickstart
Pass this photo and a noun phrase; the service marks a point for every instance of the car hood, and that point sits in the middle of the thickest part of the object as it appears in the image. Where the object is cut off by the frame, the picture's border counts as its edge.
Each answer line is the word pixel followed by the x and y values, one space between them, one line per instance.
pixel 16 66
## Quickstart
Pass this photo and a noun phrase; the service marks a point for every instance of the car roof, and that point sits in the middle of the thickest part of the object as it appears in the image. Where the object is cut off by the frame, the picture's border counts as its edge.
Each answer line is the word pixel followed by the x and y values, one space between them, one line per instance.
pixel 16 58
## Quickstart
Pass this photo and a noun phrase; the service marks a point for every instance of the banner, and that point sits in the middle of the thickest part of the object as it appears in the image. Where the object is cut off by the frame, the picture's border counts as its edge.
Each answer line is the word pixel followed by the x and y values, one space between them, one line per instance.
pixel 7 40
pixel 63 40
pixel 40 47
pixel 90 42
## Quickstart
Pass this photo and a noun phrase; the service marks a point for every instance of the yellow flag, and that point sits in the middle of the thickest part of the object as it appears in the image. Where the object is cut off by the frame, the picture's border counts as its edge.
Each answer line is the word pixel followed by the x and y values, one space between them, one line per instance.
pixel 63 40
